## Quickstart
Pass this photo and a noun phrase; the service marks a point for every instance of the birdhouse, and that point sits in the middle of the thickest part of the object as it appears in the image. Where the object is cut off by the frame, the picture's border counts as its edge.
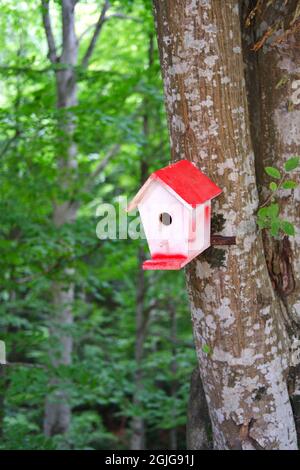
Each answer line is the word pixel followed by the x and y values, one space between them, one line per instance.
pixel 175 209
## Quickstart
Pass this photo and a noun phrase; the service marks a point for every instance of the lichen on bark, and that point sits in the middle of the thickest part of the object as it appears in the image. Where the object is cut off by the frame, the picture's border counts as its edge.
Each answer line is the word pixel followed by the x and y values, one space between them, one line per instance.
pixel 273 90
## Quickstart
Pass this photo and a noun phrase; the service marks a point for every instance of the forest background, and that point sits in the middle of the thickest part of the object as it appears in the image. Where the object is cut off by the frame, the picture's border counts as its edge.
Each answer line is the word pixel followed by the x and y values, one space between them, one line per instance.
pixel 128 374
pixel 99 352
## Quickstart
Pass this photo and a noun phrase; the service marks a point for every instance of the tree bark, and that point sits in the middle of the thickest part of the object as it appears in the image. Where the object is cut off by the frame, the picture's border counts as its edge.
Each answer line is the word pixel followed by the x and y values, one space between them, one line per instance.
pixel 274 90
pixel 198 427
pixel 238 327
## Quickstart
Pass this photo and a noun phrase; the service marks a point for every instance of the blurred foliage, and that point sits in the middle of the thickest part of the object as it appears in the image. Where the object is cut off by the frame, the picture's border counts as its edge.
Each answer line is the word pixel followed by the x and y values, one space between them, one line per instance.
pixel 112 96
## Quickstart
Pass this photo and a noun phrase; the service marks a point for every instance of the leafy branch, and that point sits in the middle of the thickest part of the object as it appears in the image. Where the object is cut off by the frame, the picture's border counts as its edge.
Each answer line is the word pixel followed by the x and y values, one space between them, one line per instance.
pixel 268 213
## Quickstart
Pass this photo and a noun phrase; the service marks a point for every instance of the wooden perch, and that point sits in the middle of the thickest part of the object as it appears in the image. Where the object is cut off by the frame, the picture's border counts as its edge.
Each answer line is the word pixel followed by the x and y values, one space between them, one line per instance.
pixel 220 240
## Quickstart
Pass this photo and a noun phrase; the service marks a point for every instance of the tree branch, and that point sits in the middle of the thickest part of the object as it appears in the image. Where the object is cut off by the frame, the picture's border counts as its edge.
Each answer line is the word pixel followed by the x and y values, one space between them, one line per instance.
pixel 122 16
pixel 8 143
pixel 52 54
pixel 107 17
pixel 22 364
pixel 100 167
pixel 98 27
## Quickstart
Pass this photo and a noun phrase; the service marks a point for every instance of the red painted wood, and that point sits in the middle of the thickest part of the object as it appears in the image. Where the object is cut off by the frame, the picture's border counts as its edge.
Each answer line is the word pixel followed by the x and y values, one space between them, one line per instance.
pixel 164 261
pixel 164 256
pixel 207 214
pixel 188 182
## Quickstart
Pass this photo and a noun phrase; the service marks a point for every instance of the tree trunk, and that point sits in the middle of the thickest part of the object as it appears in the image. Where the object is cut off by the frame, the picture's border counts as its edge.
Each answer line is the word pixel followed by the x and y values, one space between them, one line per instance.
pixel 174 383
pixel 2 397
pixel 137 441
pixel 274 104
pixel 198 427
pixel 138 431
pixel 237 321
pixel 57 409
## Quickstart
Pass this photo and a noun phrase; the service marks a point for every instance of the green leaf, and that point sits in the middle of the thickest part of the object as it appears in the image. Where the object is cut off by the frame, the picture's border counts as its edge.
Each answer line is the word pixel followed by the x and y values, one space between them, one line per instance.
pixel 273 186
pixel 292 163
pixel 273 210
pixel 275 226
pixel 263 212
pixel 273 172
pixel 289 184
pixel 262 223
pixel 287 227
pixel 206 349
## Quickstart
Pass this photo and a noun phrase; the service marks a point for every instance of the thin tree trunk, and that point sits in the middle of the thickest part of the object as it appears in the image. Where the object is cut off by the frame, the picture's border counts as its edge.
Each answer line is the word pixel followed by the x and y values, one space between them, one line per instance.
pixel 137 441
pixel 238 328
pixel 274 104
pixel 57 409
pixel 174 384
pixel 2 397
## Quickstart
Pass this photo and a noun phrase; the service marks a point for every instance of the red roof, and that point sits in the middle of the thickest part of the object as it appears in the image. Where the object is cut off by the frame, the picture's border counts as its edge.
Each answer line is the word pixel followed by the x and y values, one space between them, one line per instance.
pixel 188 182
pixel 184 179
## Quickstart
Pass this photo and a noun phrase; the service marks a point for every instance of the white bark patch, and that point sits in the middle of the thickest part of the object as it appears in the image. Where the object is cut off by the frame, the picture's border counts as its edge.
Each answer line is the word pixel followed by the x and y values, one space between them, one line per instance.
pixel 249 241
pixel 203 3
pixel 280 423
pixel 237 50
pixel 247 357
pixel 233 176
pixel 209 293
pixel 295 97
pixel 191 42
pixel 246 234
pixel 295 352
pixel 211 322
pixel 236 9
pixel 211 60
pixel 177 123
pixel 233 406
pixel 206 73
pixel 228 164
pixel 203 270
pixel 225 314
pixel 198 313
pixel 213 129
pixel 210 29
pixel 288 125
pixel 297 309
pixel 289 65
pixel 207 103
pixel 239 110
pixel 225 80
pixel 178 68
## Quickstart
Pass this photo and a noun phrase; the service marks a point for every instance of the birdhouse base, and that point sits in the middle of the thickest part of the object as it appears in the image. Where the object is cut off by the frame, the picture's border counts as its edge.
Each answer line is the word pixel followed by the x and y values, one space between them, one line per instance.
pixel 166 262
